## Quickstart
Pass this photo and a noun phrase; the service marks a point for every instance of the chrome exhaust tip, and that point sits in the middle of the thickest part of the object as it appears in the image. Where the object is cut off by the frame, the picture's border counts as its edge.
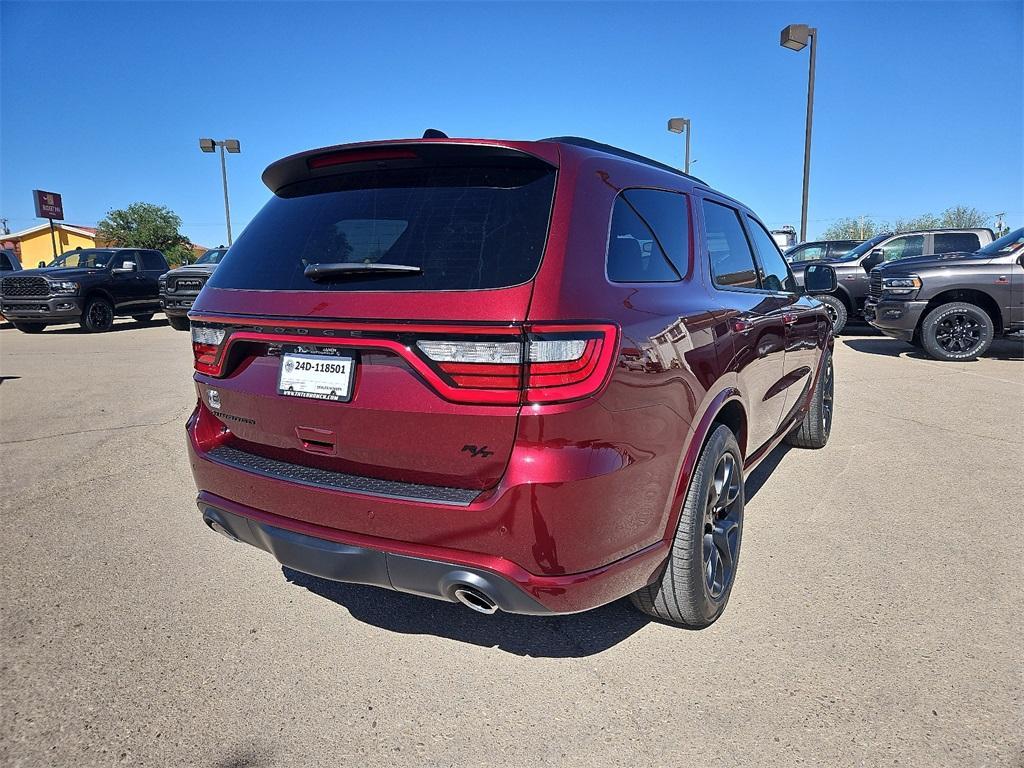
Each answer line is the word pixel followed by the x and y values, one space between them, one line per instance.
pixel 475 600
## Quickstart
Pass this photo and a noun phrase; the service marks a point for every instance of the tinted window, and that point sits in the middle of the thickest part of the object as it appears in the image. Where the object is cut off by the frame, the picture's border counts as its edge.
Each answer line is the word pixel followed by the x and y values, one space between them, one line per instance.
pixel 950 242
pixel 119 258
pixel 903 247
pixel 732 263
pixel 807 253
pixel 464 227
pixel 644 224
pixel 212 256
pixel 153 262
pixel 776 275
pixel 840 248
pixel 667 215
pixel 5 262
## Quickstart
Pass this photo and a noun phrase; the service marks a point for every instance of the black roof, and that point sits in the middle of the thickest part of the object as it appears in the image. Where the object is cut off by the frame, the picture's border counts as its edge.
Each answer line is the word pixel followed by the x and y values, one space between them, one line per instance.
pixel 608 149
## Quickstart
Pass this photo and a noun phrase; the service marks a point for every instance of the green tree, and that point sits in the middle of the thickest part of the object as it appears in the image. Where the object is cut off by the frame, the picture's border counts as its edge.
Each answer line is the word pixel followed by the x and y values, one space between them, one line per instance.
pixel 851 228
pixel 964 217
pixel 144 225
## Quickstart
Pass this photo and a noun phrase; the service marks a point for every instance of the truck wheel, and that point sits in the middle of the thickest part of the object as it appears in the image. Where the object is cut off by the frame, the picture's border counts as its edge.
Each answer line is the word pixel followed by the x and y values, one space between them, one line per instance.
pixel 142 318
pixel 30 327
pixel 836 311
pixel 816 426
pixel 957 331
pixel 179 323
pixel 98 315
pixel 694 587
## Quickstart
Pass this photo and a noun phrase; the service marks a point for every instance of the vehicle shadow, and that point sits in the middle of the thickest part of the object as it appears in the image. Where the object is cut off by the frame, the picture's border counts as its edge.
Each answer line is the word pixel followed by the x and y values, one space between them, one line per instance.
pixel 564 636
pixel 115 328
pixel 756 479
pixel 1001 349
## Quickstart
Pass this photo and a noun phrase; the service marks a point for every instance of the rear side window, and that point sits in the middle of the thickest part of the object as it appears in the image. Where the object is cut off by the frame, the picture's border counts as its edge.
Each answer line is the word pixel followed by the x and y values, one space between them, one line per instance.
pixel 463 227
pixel 950 242
pixel 732 263
pixel 152 262
pixel 649 237
pixel 776 275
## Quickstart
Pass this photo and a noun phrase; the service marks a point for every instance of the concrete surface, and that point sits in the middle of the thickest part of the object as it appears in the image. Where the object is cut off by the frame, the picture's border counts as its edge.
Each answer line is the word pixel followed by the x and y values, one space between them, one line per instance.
pixel 877 617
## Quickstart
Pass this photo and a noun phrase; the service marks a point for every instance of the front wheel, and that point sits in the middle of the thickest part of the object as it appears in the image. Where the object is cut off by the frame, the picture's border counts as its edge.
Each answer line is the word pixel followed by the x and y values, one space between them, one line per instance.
pixel 178 323
pixel 957 331
pixel 98 316
pixel 836 311
pixel 694 587
pixel 30 327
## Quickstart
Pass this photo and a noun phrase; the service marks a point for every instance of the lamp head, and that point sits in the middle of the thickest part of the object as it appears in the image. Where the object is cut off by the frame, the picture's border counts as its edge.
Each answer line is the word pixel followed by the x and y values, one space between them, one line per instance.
pixel 206 145
pixel 795 37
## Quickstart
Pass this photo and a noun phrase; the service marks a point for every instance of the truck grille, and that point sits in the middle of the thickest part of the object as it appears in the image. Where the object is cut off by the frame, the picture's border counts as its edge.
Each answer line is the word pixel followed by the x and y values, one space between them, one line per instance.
pixel 25 286
pixel 876 284
pixel 188 284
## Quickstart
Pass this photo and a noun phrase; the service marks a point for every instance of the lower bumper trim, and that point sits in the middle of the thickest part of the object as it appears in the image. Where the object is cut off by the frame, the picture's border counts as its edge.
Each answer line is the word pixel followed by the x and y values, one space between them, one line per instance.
pixel 361 565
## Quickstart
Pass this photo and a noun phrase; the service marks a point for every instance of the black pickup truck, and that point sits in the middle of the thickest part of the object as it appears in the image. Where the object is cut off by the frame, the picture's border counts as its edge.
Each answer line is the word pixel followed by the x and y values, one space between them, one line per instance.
pixel 89 286
pixel 952 305
pixel 179 287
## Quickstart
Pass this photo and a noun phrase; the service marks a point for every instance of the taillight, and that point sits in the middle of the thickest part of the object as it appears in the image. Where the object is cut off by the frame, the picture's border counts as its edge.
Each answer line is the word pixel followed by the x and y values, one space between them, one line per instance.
pixel 549 363
pixel 207 343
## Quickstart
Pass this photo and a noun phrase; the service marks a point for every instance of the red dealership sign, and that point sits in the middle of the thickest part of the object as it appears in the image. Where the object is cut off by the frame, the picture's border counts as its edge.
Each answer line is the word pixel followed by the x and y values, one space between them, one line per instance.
pixel 48 205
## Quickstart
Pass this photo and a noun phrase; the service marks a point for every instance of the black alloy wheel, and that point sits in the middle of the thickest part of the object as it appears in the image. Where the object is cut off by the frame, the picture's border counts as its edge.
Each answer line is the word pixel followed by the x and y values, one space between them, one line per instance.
pixel 722 518
pixel 958 333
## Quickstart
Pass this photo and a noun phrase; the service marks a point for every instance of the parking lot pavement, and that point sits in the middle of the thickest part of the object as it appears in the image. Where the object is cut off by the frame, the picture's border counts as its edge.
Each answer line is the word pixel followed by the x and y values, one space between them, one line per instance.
pixel 876 618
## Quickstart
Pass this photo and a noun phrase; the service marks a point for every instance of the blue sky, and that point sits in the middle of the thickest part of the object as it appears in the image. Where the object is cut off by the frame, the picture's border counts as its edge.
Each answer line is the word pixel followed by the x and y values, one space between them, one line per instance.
pixel 918 105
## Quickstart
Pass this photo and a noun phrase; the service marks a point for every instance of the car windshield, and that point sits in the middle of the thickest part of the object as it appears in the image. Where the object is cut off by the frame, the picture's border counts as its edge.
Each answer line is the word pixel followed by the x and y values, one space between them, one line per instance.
pixel 1004 244
pixel 212 256
pixel 89 259
pixel 863 248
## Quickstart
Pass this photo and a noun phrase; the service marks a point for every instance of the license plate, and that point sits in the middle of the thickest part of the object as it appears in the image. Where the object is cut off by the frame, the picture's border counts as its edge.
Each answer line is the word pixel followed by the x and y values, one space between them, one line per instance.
pixel 320 377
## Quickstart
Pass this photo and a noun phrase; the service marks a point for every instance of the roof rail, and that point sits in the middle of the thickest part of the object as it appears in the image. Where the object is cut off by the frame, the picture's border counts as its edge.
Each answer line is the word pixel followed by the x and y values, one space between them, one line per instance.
pixel 608 149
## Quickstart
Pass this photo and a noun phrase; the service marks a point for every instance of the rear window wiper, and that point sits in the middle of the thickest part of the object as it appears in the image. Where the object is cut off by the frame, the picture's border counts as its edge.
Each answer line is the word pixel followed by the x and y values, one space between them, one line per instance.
pixel 342 268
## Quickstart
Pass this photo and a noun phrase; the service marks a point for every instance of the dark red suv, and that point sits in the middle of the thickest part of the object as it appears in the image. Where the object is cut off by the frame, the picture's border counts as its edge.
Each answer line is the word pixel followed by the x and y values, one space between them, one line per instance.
pixel 526 376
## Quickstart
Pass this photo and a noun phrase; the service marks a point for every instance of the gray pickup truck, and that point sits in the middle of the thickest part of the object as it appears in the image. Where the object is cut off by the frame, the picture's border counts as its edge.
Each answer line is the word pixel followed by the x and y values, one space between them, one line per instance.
pixel 852 269
pixel 952 305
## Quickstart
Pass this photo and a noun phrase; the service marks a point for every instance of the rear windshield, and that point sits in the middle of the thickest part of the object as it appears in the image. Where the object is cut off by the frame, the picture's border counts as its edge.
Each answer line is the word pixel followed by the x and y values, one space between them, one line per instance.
pixel 465 228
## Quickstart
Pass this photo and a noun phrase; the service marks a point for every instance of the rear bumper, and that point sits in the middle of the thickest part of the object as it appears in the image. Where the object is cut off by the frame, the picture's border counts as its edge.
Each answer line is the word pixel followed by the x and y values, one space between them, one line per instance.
pixel 897 319
pixel 43 309
pixel 402 539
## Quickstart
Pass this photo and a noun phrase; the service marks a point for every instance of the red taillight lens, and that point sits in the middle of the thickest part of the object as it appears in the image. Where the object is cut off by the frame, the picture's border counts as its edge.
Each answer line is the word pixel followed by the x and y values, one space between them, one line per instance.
pixel 207 343
pixel 551 363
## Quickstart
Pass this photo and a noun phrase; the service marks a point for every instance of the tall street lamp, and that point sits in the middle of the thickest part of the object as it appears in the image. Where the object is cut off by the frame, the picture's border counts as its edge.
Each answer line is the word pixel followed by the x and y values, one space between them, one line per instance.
pixel 231 145
pixel 795 37
pixel 679 125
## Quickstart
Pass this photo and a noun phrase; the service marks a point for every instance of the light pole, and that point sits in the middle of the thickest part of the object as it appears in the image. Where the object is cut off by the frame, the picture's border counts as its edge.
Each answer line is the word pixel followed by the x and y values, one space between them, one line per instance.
pixel 679 125
pixel 795 37
pixel 231 145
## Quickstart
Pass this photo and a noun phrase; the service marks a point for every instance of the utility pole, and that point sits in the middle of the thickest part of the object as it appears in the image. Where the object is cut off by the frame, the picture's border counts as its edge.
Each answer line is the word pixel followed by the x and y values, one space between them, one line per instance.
pixel 3 224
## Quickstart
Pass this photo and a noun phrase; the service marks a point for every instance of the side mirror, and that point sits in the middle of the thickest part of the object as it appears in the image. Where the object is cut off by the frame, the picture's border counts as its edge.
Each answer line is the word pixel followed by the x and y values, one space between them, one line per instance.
pixel 873 259
pixel 128 266
pixel 820 278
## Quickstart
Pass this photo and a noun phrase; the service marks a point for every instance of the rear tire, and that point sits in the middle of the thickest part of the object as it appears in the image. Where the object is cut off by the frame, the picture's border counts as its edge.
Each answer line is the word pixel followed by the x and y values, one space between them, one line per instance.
pixel 816 426
pixel 29 327
pixel 179 323
pixel 957 331
pixel 142 318
pixel 837 312
pixel 694 587
pixel 98 315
